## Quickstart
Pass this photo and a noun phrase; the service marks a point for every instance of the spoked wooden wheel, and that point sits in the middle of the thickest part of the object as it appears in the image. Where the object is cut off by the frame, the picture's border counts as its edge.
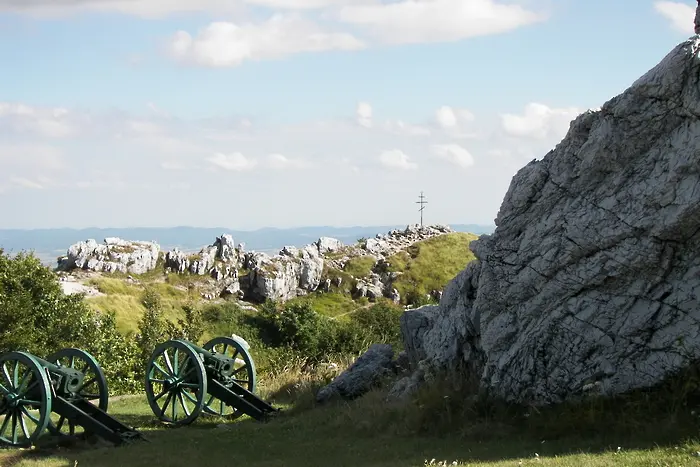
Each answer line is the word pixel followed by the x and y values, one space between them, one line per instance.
pixel 243 374
pixel 25 399
pixel 176 383
pixel 94 388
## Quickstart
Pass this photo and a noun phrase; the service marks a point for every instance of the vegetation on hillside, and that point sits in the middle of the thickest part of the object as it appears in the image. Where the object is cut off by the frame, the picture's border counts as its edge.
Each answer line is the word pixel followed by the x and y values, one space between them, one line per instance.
pixel 292 344
pixel 430 265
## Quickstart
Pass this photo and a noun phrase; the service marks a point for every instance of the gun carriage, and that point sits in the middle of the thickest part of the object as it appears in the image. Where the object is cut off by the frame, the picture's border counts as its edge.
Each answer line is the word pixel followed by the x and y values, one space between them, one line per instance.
pixel 69 384
pixel 184 380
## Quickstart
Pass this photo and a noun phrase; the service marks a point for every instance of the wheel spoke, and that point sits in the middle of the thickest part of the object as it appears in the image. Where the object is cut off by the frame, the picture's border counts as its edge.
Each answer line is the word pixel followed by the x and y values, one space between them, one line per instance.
pixel 173 406
pixel 184 406
pixel 165 406
pixel 6 375
pixel 23 425
pixel 184 366
pixel 15 435
pixel 168 363
pixel 30 416
pixel 176 361
pixel 5 423
pixel 160 368
pixel 87 383
pixel 240 369
pixel 160 394
pixel 25 379
pixel 4 390
pixel 15 375
pixel 189 397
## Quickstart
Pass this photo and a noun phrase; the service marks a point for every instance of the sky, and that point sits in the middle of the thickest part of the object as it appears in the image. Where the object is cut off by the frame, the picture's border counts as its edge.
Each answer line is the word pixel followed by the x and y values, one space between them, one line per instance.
pixel 283 113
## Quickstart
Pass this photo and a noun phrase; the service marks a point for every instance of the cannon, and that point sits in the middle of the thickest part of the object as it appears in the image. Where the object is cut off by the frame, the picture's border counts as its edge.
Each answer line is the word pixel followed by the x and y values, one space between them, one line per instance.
pixel 70 384
pixel 184 380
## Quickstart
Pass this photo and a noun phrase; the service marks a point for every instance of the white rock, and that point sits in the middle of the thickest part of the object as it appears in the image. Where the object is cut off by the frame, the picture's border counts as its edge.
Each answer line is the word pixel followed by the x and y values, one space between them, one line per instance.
pixel 591 276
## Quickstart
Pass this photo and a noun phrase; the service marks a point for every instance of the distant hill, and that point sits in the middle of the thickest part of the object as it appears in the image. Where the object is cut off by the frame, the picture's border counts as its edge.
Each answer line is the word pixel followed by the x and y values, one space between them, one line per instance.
pixel 48 244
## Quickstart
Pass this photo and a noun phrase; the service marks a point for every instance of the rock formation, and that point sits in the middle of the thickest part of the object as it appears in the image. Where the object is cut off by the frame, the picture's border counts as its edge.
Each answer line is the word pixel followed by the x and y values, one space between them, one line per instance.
pixel 257 276
pixel 364 374
pixel 590 281
pixel 114 255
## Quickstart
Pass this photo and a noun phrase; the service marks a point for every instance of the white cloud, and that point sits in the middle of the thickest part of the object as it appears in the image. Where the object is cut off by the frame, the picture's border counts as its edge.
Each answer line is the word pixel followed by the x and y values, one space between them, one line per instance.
pixel 225 44
pixel 449 117
pixel 48 121
pixel 679 14
pixel 396 159
pixel 32 156
pixel 421 21
pixel 279 161
pixel 26 183
pixel 235 162
pixel 157 8
pixel 364 114
pixel 297 4
pixel 539 122
pixel 130 156
pixel 400 127
pixel 454 154
pixel 173 165
pixel 141 8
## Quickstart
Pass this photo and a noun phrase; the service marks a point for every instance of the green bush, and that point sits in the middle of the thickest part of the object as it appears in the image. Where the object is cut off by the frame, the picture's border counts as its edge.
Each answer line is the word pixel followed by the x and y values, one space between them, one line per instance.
pixel 37 317
pixel 380 323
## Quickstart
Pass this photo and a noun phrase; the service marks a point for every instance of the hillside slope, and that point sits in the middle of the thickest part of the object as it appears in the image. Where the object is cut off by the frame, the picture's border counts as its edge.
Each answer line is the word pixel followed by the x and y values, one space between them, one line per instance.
pixel 405 270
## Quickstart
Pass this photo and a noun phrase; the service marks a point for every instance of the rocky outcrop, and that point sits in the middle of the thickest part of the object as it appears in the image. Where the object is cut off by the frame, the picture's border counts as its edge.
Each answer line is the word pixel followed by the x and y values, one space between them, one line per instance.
pixel 364 374
pixel 257 276
pixel 291 273
pixel 114 255
pixel 590 280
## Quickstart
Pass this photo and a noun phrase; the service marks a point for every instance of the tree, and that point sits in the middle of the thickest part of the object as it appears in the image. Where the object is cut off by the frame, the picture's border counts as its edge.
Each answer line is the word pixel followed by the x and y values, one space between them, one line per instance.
pixel 37 317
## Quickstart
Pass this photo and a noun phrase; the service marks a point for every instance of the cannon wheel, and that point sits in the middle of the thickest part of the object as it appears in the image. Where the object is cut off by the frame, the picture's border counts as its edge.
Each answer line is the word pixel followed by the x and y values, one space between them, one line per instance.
pixel 25 399
pixel 175 375
pixel 243 374
pixel 94 386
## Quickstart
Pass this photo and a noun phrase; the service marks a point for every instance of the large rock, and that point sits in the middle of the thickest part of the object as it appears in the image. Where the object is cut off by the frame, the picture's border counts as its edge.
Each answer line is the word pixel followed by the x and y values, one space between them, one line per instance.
pixel 364 374
pixel 114 255
pixel 590 279
pixel 283 276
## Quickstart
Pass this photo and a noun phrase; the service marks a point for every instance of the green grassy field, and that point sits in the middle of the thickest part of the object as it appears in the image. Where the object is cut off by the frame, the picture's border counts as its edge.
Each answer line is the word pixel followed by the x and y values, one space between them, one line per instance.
pixel 352 434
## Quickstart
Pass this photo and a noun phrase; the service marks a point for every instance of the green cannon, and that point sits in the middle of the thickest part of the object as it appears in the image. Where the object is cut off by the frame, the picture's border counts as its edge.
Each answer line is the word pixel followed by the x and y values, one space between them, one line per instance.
pixel 184 380
pixel 70 384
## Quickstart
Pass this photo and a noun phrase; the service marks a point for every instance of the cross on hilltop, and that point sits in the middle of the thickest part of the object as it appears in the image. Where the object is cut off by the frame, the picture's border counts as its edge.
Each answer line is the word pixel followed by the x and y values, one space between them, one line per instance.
pixel 422 203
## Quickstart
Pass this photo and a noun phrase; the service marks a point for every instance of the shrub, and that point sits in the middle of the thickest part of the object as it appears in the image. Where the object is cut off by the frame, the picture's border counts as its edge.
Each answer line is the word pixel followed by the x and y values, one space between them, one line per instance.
pixel 37 317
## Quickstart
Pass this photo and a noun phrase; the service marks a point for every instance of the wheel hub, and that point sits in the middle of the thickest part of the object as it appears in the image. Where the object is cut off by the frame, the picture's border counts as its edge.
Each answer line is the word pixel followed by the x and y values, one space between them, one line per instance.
pixel 172 383
pixel 13 400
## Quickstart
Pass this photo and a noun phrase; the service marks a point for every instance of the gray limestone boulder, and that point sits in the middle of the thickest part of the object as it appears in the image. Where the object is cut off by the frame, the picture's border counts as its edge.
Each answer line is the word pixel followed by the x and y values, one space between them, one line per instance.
pixel 363 375
pixel 591 277
pixel 114 255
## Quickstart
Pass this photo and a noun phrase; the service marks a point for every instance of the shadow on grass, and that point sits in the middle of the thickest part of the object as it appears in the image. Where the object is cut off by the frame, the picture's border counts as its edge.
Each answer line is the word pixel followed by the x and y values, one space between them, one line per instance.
pixel 441 423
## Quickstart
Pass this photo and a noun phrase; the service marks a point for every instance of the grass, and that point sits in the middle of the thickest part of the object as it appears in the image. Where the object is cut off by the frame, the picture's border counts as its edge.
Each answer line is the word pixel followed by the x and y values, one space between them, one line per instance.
pixel 431 264
pixel 331 304
pixel 125 300
pixel 359 266
pixel 370 432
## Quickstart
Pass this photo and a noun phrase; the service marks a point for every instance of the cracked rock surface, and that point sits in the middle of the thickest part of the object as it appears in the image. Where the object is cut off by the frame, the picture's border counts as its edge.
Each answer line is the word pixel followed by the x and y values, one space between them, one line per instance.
pixel 591 278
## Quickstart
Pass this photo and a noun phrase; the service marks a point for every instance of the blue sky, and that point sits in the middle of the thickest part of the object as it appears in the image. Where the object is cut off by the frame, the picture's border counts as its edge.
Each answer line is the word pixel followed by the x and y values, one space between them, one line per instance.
pixel 299 112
